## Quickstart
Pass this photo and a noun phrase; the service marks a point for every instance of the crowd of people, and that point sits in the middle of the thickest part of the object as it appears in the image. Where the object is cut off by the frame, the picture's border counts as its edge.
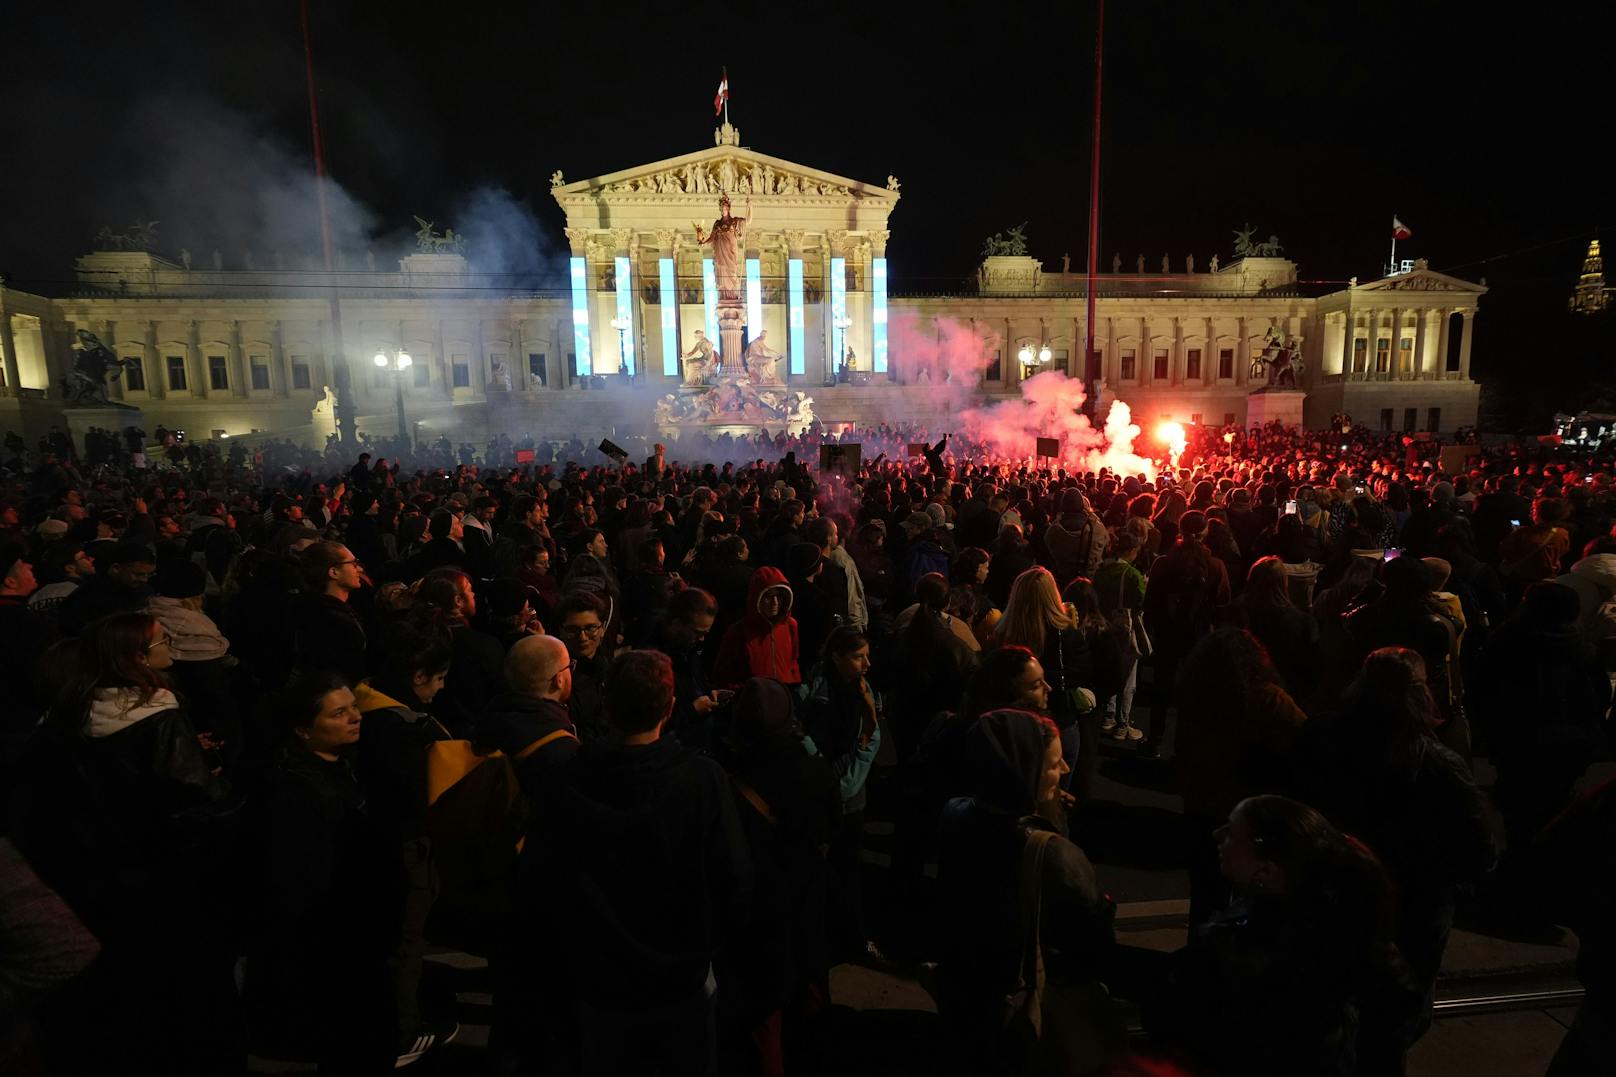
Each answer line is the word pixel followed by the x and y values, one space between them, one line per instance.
pixel 278 725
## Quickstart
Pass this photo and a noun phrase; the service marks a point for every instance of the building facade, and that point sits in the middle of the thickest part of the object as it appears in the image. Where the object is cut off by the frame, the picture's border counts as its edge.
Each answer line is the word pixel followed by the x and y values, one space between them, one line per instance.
pixel 235 352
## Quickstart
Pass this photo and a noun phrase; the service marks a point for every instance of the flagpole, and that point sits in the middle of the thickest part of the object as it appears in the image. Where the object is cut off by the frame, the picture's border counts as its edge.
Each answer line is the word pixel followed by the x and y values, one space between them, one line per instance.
pixel 1391 266
pixel 726 97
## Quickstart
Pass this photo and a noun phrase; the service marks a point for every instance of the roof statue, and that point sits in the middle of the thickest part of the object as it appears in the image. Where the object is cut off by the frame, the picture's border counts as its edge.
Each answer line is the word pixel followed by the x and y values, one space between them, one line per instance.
pixel 142 236
pixel 1011 242
pixel 1243 247
pixel 556 179
pixel 428 241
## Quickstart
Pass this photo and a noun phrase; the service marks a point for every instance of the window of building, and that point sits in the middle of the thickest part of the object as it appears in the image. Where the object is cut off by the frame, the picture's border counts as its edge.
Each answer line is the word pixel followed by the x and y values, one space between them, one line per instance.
pixel 258 367
pixel 300 372
pixel 1433 419
pixel 572 362
pixel 1192 365
pixel 1360 355
pixel 535 368
pixel 218 373
pixel 1411 420
pixel 1060 359
pixel 1228 418
pixel 1226 363
pixel 996 368
pixel 1128 365
pixel 134 374
pixel 1385 420
pixel 1195 417
pixel 1405 354
pixel 176 373
pixel 1158 365
pixel 1383 355
pixel 422 375
pixel 460 370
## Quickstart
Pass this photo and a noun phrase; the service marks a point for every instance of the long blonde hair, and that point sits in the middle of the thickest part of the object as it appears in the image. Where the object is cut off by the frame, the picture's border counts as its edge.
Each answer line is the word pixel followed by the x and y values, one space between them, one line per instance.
pixel 1033 610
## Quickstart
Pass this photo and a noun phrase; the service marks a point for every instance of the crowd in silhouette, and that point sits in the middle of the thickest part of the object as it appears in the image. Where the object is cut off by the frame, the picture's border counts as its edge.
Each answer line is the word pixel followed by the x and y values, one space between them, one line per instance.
pixel 631 732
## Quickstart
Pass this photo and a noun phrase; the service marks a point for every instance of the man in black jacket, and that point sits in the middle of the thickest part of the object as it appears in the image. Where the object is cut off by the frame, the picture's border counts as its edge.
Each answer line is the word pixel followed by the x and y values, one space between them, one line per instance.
pixel 633 872
pixel 328 634
pixel 530 722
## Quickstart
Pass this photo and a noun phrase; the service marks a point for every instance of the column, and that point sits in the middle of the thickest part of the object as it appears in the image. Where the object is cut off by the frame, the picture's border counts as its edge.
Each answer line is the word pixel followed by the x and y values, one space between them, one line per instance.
pixel 156 374
pixel 240 383
pixel 480 359
pixel 280 372
pixel 8 347
pixel 1421 327
pixel 1175 369
pixel 1395 357
pixel 198 376
pixel 1242 353
pixel 521 377
pixel 1469 330
pixel 1112 368
pixel 1440 366
pixel 1371 334
pixel 445 365
pixel 1209 356
pixel 1346 343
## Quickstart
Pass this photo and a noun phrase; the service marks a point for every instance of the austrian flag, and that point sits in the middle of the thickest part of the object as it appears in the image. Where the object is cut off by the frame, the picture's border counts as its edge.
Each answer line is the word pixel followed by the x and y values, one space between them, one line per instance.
pixel 722 95
pixel 1400 230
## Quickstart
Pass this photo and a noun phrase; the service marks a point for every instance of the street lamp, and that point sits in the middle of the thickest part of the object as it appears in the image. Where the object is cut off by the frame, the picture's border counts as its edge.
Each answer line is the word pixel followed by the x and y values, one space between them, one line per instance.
pixel 396 364
pixel 1028 356
pixel 623 325
pixel 843 324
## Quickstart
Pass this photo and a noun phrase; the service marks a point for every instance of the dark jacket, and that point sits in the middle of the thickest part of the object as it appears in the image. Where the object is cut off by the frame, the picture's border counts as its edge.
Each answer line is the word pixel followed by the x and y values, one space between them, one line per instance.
pixel 329 636
pixel 514 722
pixel 96 597
pixel 634 871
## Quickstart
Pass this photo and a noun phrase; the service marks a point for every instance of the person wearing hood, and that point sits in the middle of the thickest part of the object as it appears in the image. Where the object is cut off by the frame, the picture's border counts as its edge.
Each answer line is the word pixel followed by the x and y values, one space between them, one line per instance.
pixel 765 642
pixel 775 969
pixel 1594 580
pixel 1075 539
pixel 203 668
pixel 632 879
pixel 986 842
pixel 121 815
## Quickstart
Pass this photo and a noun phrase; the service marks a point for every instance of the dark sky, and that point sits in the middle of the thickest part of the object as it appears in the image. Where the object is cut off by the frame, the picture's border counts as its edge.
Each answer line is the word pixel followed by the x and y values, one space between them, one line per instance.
pixel 1312 121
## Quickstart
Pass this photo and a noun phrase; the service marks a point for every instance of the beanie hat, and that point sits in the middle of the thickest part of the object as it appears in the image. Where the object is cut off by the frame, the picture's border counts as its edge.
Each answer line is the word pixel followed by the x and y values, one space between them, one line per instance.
pixel 180 577
pixel 1071 501
pixel 505 596
pixel 802 559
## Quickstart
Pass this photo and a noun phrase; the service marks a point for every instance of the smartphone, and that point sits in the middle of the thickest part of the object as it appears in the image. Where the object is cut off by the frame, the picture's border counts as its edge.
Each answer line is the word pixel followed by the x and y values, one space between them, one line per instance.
pixel 723 695
pixel 1290 508
pixel 1514 523
pixel 1360 489
pixel 1391 555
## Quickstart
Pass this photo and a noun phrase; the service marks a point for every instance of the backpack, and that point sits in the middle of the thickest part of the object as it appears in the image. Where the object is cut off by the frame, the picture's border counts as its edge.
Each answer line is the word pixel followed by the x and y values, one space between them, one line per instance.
pixel 1186 605
pixel 475 817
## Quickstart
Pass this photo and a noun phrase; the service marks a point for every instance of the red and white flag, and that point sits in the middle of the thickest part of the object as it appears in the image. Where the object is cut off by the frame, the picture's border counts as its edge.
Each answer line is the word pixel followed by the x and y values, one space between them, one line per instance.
pixel 723 93
pixel 1399 229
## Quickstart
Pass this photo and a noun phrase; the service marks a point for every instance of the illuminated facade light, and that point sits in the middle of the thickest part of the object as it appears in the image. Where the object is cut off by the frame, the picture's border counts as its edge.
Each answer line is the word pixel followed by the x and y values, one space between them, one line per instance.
pixel 669 297
pixel 797 335
pixel 625 312
pixel 754 297
pixel 838 308
pixel 709 300
pixel 878 328
pixel 580 316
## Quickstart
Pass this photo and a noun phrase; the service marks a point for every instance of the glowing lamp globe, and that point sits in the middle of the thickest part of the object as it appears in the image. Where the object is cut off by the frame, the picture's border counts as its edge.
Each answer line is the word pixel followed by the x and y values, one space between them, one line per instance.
pixel 404 360
pixel 1025 355
pixel 1044 354
pixel 380 360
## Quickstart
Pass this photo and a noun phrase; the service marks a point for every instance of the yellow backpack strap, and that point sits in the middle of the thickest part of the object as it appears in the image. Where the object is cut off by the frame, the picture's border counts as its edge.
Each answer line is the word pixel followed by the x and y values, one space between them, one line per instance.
pixel 754 798
pixel 546 739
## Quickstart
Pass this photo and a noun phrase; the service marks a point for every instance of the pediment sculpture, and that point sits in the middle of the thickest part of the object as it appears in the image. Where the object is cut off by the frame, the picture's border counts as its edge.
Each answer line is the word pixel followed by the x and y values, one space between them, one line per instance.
pixel 730 175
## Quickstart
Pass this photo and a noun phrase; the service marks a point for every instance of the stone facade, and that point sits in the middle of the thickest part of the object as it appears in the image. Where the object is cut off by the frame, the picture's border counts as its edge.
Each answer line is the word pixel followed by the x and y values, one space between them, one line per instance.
pixel 252 351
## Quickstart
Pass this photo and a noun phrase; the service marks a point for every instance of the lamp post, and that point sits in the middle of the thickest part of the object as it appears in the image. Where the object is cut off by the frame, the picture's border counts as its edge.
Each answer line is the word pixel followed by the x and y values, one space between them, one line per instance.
pixel 397 364
pixel 1029 356
pixel 623 325
pixel 843 324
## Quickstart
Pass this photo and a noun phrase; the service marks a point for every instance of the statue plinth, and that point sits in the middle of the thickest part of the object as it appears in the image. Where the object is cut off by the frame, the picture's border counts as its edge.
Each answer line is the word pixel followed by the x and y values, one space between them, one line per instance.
pixel 1269 404
pixel 79 418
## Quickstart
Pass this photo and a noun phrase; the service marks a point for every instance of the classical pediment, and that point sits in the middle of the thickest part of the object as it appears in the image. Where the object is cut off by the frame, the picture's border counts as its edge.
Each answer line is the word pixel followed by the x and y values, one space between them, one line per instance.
pixel 700 177
pixel 1423 280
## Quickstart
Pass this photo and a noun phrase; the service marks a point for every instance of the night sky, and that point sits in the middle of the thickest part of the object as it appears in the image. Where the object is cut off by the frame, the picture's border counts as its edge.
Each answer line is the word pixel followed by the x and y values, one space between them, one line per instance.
pixel 1315 122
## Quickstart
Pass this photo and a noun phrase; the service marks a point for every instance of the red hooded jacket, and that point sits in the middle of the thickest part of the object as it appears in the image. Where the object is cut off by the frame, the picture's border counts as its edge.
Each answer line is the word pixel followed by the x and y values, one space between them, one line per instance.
pixel 755 646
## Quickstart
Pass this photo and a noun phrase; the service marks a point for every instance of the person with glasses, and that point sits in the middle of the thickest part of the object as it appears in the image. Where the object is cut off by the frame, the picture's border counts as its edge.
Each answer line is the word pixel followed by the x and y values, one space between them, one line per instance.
pixel 122 582
pixel 582 627
pixel 530 722
pixel 121 816
pixel 327 631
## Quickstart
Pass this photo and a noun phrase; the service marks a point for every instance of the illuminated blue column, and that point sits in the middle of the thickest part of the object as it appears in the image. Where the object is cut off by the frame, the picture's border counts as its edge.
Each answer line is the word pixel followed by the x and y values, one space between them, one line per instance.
pixel 580 317
pixel 709 301
pixel 838 310
pixel 878 328
pixel 625 313
pixel 754 297
pixel 797 338
pixel 669 297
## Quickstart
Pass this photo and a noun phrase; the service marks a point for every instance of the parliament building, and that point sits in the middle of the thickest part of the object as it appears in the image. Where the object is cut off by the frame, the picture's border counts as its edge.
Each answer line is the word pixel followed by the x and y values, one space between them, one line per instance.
pixel 236 352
